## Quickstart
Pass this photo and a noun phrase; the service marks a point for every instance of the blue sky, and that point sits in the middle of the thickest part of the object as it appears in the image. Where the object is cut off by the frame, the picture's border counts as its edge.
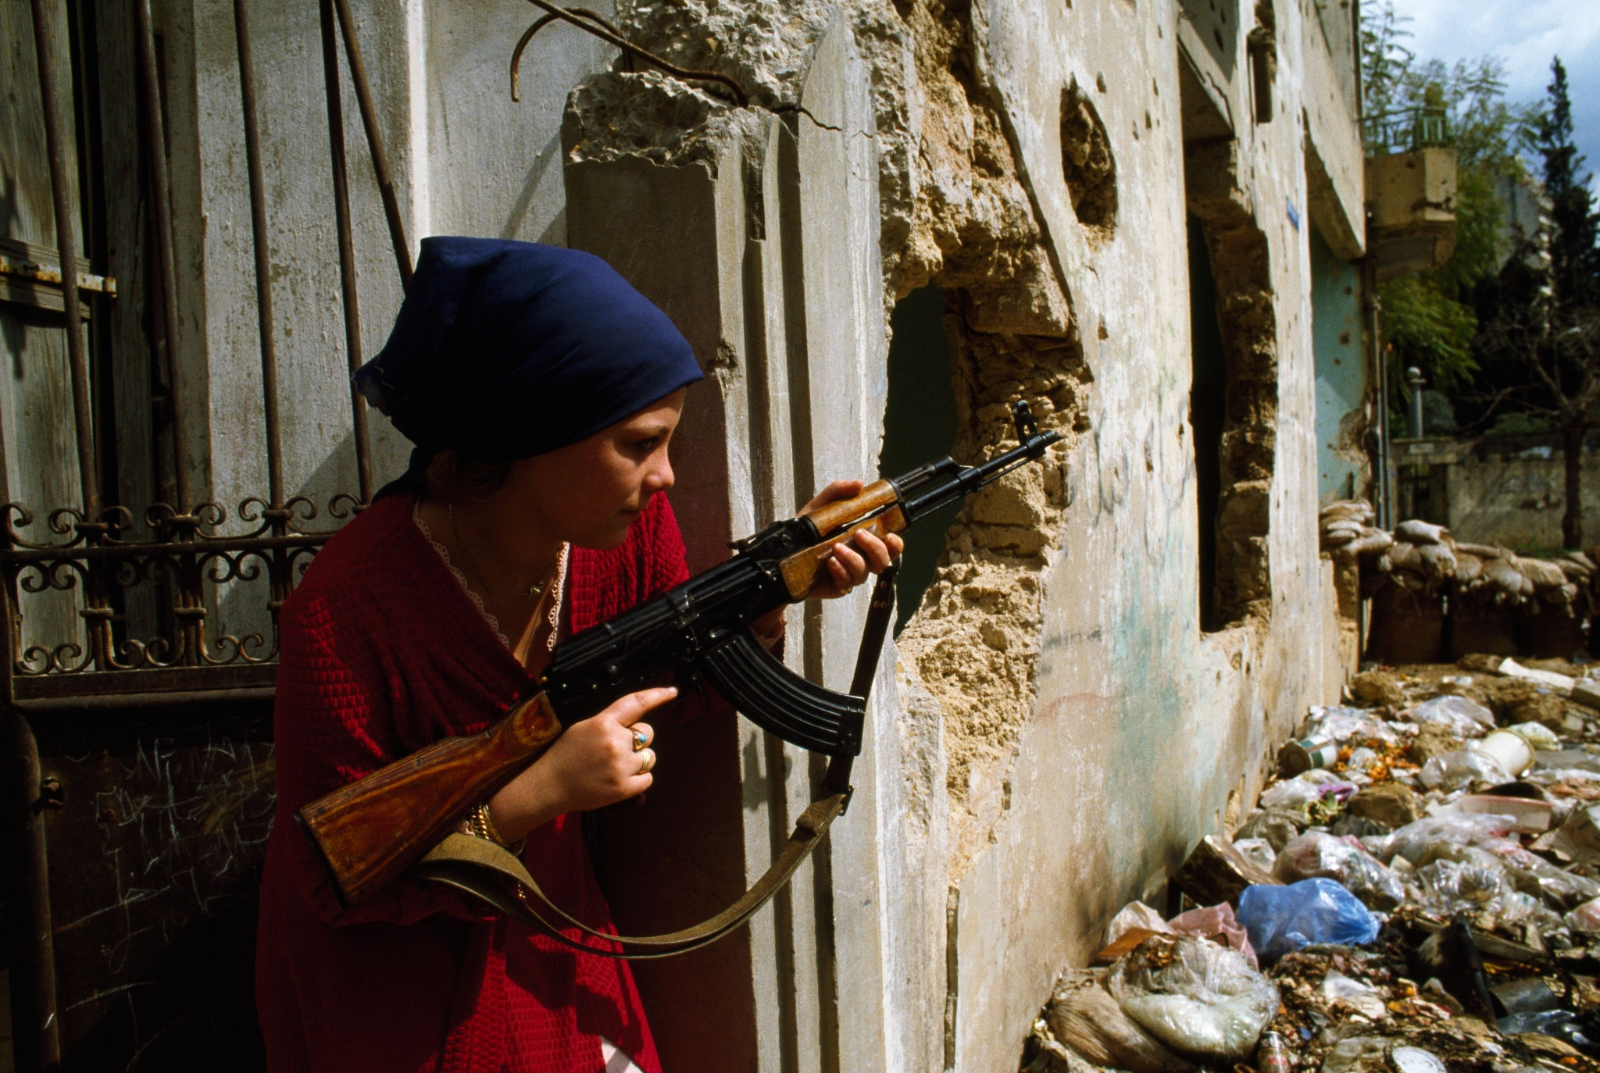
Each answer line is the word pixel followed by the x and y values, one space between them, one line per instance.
pixel 1524 34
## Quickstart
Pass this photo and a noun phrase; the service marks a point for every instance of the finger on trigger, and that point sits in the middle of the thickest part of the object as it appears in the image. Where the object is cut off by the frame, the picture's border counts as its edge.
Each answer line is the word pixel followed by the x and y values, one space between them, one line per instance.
pixel 644 701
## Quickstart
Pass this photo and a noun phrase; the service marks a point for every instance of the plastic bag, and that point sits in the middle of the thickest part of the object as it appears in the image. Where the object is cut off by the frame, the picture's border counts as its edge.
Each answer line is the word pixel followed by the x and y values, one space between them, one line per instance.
pixel 1423 841
pixel 1202 1000
pixel 1463 767
pixel 1317 854
pixel 1559 888
pixel 1217 923
pixel 1585 918
pixel 1133 915
pixel 1314 785
pixel 1283 919
pixel 1258 851
pixel 1459 715
pixel 1088 1019
pixel 1361 761
pixel 1451 887
pixel 1368 1001
pixel 1343 724
pixel 1537 735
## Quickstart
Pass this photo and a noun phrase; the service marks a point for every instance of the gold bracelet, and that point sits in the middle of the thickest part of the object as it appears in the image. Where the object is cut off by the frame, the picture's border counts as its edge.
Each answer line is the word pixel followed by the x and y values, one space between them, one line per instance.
pixel 482 825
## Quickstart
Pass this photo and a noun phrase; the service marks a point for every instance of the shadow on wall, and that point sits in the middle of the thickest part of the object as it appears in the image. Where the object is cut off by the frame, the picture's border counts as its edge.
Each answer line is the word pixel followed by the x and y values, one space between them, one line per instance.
pixel 919 426
pixel 1247 322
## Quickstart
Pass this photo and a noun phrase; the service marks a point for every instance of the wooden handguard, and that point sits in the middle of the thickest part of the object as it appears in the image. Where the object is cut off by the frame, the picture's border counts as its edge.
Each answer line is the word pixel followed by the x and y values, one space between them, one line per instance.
pixel 372 830
pixel 875 496
pixel 803 570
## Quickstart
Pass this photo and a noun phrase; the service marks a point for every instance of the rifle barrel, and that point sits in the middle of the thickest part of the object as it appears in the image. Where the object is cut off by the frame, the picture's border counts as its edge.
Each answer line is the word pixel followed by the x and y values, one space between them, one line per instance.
pixel 969 479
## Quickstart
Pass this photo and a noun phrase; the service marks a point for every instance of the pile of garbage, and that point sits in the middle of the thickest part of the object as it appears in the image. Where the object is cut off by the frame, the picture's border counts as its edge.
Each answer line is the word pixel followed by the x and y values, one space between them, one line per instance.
pixel 1422 557
pixel 1418 891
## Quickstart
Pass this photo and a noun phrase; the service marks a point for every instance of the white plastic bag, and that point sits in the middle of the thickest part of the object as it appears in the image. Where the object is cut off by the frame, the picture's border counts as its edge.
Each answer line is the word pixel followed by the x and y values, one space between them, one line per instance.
pixel 1316 853
pixel 1463 767
pixel 1202 1000
pixel 1343 724
pixel 1368 1001
pixel 1134 915
pixel 1433 837
pixel 1314 785
pixel 1458 715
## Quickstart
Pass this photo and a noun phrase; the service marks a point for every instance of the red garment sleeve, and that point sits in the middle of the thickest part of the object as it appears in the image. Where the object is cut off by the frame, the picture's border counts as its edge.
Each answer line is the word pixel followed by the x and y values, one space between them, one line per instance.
pixel 333 727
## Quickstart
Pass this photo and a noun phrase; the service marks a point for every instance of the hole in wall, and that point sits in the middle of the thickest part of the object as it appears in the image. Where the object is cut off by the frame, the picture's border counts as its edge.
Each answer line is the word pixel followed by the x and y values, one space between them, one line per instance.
pixel 1208 398
pixel 1242 308
pixel 1089 169
pixel 919 426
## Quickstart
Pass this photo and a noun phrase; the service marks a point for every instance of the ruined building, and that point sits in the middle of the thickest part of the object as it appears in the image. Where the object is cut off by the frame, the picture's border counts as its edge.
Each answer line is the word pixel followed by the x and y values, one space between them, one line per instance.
pixel 881 223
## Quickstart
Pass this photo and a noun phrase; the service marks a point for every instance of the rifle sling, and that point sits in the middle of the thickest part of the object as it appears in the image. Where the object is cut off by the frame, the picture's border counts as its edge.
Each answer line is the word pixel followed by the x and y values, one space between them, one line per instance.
pixel 492 873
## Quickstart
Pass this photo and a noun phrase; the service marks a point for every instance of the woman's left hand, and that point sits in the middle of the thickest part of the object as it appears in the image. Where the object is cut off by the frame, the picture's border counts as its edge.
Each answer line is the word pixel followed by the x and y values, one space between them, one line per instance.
pixel 855 559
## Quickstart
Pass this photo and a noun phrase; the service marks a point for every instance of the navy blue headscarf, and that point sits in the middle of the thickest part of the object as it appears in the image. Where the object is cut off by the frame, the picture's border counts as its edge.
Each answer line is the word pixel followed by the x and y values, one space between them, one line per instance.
pixel 503 350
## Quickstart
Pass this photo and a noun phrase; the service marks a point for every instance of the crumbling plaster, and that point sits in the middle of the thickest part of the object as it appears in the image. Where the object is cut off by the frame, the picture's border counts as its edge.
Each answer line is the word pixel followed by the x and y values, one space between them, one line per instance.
pixel 1060 640
pixel 1130 693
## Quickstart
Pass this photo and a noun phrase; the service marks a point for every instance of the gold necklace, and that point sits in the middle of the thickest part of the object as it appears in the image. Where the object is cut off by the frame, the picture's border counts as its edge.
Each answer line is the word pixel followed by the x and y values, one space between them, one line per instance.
pixel 535 590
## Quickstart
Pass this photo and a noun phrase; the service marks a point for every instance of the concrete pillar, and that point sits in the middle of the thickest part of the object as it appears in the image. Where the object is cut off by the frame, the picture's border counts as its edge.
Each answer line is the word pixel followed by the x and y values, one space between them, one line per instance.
pixel 760 240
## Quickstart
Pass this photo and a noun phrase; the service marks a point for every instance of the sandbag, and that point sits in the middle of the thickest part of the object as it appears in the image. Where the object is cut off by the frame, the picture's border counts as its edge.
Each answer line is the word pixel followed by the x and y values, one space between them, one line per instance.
pixel 1087 1019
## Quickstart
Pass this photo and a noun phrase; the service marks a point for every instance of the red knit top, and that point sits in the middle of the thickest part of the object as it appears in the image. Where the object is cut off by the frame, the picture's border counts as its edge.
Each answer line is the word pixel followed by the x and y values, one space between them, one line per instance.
pixel 383 653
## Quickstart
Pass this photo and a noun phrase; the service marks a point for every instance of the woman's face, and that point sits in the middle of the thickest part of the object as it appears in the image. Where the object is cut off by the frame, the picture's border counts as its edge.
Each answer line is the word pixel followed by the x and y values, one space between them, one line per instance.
pixel 588 493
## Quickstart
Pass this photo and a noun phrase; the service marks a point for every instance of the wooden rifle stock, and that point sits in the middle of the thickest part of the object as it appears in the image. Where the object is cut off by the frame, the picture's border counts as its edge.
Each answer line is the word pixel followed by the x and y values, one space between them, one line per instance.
pixel 804 569
pixel 371 830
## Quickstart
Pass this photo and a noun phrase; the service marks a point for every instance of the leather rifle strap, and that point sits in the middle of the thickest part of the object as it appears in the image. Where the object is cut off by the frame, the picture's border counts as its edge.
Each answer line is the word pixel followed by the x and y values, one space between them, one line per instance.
pixel 482 868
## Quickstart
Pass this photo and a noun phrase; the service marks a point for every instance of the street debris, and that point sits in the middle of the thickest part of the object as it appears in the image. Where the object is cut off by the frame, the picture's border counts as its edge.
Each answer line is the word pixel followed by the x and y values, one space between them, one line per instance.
pixel 1417 891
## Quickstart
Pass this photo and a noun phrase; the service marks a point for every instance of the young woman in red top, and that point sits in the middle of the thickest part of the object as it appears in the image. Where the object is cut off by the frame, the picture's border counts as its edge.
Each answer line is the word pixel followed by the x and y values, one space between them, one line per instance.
pixel 541 391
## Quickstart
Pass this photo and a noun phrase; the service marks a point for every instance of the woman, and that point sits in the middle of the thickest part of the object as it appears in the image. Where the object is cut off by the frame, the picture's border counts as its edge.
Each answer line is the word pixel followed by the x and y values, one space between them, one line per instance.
pixel 541 392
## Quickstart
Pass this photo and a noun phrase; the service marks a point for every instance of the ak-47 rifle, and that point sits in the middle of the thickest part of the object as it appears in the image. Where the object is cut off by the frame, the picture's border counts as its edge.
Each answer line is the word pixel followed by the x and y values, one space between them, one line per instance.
pixel 402 816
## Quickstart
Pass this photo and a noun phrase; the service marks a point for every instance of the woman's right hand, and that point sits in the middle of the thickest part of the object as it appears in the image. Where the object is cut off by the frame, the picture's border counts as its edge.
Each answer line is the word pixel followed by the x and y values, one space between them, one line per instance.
pixel 592 764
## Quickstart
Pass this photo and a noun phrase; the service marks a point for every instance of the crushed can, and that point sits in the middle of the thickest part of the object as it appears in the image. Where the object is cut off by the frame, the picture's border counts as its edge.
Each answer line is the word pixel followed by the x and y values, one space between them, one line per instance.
pixel 1272 1054
pixel 1307 753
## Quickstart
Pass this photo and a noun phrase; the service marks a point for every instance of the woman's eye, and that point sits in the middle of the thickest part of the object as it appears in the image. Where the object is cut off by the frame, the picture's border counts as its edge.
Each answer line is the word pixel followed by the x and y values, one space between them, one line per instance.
pixel 648 445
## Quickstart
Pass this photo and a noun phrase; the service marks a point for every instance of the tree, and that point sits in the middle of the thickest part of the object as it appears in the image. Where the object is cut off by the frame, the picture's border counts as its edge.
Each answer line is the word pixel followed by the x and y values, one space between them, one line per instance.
pixel 1429 318
pixel 1541 335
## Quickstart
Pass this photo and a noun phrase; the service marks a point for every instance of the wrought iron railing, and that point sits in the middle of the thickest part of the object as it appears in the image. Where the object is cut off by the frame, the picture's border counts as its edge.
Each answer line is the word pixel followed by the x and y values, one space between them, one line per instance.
pixel 188 559
pixel 1406 130
pixel 142 606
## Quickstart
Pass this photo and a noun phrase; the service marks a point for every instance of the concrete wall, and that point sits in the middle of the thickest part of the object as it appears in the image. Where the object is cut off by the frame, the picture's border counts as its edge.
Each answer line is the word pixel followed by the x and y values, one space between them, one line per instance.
pixel 1343 399
pixel 1511 493
pixel 1127 685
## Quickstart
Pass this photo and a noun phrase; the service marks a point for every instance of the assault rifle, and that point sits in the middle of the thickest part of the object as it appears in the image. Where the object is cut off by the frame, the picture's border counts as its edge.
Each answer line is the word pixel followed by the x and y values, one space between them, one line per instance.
pixel 372 830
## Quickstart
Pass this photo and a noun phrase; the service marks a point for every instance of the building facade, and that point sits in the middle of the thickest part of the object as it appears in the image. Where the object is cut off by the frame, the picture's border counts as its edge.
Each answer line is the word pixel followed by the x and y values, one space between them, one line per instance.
pixel 879 225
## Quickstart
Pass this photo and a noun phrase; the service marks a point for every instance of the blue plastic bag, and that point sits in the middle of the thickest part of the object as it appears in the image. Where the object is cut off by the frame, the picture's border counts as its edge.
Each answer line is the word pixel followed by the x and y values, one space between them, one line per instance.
pixel 1283 919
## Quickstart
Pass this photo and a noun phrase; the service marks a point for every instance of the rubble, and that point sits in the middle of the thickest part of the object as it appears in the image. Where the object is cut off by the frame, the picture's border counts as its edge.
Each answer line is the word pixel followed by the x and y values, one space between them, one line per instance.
pixel 1428 899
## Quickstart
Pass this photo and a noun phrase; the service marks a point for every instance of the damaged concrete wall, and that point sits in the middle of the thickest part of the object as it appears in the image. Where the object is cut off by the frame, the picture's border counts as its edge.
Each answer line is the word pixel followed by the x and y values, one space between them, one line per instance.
pixel 1056 668
pixel 1056 665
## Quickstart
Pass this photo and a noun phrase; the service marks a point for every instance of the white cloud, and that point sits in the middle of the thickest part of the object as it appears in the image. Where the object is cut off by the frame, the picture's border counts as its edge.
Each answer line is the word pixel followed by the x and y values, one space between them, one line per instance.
pixel 1525 35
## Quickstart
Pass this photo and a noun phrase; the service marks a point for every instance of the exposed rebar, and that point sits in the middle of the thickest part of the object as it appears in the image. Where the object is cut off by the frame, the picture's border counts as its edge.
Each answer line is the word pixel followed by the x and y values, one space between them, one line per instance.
pixel 258 230
pixel 347 250
pixel 67 246
pixel 380 161
pixel 591 23
pixel 160 195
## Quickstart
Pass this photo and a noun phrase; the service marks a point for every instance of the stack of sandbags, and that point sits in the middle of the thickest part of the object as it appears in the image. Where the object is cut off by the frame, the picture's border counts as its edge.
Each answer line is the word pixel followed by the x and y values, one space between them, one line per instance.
pixel 1421 557
pixel 1347 529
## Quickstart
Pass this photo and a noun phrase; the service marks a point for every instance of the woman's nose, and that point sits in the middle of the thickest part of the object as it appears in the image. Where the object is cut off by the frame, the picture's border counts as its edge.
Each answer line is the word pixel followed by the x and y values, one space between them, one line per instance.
pixel 662 477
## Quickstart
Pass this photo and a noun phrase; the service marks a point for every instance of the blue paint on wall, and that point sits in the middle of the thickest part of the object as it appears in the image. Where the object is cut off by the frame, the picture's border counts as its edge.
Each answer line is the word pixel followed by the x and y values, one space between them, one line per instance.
pixel 1341 372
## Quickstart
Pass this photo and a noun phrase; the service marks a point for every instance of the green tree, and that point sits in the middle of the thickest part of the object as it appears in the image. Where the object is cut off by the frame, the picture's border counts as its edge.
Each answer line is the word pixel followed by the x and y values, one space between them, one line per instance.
pixel 1428 318
pixel 1541 338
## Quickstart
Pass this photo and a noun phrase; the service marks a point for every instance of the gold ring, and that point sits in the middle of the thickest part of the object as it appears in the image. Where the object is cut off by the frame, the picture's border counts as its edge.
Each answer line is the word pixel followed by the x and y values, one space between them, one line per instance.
pixel 640 740
pixel 649 762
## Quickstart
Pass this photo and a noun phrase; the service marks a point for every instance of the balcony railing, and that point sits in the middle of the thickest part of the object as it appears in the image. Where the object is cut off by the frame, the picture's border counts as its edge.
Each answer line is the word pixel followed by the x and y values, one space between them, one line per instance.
pixel 1406 131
